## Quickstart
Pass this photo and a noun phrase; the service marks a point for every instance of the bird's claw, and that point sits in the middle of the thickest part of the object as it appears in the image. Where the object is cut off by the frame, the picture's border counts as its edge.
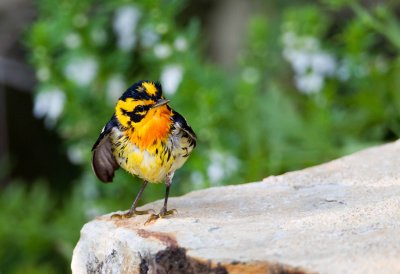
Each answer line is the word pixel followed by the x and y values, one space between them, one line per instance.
pixel 163 213
pixel 130 214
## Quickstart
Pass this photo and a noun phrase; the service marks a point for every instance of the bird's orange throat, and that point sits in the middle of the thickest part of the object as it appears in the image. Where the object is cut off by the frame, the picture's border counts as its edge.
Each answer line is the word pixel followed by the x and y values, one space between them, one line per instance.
pixel 152 129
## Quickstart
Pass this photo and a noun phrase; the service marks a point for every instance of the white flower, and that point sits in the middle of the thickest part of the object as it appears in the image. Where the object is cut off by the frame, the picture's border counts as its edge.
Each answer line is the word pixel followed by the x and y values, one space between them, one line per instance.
pixel 171 77
pixel 300 60
pixel 306 43
pixel 81 71
pixel 49 104
pixel 323 63
pixel 162 51
pixel 310 64
pixel 309 83
pixel 115 86
pixel 75 155
pixel 125 23
pixel 197 179
pixel 231 164
pixel 72 40
pixel 180 44
pixel 343 72
pixel 215 173
pixel 221 166
pixel 149 37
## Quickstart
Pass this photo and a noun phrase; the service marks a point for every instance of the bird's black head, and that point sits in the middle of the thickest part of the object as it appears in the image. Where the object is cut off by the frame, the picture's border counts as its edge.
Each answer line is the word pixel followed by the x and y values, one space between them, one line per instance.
pixel 143 90
pixel 140 100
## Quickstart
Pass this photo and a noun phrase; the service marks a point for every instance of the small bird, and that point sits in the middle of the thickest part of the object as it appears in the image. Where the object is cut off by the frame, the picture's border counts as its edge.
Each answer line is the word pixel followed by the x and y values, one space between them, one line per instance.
pixel 145 137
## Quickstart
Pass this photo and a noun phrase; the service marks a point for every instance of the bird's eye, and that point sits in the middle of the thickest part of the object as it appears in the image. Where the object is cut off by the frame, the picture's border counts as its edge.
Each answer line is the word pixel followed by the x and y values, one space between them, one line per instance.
pixel 139 109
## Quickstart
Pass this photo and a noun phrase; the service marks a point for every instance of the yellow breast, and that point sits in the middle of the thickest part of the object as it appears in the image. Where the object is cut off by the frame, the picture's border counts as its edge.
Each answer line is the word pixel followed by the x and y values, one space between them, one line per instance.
pixel 151 164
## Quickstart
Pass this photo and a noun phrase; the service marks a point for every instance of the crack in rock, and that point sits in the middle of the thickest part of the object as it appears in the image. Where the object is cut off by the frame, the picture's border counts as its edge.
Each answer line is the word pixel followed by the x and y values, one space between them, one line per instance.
pixel 95 266
pixel 174 260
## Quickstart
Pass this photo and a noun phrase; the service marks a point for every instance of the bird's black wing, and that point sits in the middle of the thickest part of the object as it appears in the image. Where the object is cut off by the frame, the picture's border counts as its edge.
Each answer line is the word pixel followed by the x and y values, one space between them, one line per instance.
pixel 184 126
pixel 103 160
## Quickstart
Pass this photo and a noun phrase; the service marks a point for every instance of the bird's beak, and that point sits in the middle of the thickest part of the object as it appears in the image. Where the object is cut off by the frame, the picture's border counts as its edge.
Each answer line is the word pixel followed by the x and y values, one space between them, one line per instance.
pixel 160 103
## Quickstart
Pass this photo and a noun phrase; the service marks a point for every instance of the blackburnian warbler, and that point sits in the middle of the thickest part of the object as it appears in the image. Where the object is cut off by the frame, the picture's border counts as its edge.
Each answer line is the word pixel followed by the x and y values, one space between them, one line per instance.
pixel 146 138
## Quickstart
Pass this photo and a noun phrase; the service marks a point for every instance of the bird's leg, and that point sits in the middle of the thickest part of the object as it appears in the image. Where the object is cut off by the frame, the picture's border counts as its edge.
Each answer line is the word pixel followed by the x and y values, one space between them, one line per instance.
pixel 164 212
pixel 132 211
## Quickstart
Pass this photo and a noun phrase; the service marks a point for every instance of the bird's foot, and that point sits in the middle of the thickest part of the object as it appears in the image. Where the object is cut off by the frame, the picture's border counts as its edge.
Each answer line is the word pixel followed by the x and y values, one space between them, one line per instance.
pixel 132 213
pixel 163 213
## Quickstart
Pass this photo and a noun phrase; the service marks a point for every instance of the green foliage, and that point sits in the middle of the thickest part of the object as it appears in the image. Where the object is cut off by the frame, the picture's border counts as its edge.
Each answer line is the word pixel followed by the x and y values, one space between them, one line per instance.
pixel 34 237
pixel 313 82
pixel 306 20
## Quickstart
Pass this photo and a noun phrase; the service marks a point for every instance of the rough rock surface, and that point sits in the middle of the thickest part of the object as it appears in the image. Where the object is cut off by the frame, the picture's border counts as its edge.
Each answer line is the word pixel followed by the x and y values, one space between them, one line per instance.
pixel 339 217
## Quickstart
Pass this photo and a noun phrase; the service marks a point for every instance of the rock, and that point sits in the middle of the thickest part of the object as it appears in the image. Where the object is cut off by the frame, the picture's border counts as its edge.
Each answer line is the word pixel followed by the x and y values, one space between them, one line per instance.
pixel 339 217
